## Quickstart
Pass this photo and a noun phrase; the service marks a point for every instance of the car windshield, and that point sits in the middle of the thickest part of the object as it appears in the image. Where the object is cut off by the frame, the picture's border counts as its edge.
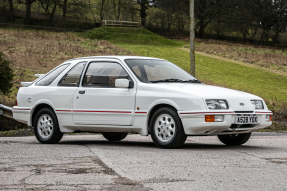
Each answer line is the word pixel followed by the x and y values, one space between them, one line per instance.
pixel 159 71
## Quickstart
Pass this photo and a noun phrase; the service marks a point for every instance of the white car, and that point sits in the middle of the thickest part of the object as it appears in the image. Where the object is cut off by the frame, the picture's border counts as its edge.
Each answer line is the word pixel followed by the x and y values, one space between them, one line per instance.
pixel 117 95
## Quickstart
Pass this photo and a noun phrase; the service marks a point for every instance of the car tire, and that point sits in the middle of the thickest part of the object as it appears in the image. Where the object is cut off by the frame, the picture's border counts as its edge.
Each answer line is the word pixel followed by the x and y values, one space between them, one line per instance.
pixel 114 136
pixel 166 129
pixel 46 127
pixel 234 139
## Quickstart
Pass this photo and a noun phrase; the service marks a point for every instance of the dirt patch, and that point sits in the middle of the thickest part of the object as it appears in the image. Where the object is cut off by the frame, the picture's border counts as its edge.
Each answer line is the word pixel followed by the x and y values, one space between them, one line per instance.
pixel 265 57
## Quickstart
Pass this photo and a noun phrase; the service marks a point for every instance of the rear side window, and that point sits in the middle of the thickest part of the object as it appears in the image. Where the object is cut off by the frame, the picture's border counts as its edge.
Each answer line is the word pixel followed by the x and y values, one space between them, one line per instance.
pixel 103 74
pixel 72 78
pixel 48 79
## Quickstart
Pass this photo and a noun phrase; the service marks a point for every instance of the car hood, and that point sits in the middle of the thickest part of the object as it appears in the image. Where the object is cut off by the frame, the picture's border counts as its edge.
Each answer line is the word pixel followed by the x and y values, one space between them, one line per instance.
pixel 204 91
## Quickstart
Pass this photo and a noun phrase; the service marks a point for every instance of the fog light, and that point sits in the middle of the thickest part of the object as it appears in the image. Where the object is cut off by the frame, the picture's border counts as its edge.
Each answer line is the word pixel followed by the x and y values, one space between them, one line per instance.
pixel 218 118
pixel 209 118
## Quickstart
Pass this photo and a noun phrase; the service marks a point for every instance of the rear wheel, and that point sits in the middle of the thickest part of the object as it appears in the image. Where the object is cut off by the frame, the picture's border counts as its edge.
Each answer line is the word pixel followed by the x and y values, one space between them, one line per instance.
pixel 166 129
pixel 46 127
pixel 114 136
pixel 234 139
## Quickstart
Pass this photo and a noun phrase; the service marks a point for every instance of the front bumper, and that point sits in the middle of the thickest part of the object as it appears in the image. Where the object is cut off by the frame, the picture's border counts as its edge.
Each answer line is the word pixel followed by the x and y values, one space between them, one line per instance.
pixel 194 122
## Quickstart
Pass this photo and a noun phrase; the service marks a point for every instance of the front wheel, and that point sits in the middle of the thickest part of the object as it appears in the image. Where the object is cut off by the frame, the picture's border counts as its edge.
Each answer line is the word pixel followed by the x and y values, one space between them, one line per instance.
pixel 114 136
pixel 234 139
pixel 46 127
pixel 166 129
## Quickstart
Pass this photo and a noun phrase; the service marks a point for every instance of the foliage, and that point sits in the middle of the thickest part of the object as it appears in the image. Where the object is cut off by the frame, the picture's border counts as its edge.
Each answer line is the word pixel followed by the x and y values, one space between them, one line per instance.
pixel 6 75
pixel 248 20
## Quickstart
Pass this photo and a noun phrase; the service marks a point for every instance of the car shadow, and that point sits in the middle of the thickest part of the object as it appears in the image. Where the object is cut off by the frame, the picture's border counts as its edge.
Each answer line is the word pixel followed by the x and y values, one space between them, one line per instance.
pixel 186 146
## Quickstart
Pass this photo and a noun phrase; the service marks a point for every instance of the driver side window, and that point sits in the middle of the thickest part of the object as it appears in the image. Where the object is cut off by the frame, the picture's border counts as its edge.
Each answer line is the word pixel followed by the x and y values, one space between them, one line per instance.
pixel 103 74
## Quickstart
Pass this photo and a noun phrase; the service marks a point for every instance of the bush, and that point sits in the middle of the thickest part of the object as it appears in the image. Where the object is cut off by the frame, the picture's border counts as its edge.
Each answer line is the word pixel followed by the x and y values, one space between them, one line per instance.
pixel 6 76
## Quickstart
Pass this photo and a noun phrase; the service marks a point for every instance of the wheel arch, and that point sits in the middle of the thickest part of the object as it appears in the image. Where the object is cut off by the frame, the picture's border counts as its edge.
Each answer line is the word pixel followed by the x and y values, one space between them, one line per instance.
pixel 155 108
pixel 37 108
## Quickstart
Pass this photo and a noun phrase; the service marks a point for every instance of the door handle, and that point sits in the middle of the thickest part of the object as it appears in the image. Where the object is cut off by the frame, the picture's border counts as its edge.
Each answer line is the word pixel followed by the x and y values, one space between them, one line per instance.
pixel 82 92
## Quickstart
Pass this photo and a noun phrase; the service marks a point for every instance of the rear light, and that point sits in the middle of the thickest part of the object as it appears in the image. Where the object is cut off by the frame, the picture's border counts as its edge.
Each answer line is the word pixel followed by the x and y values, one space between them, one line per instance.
pixel 209 118
pixel 268 117
pixel 16 103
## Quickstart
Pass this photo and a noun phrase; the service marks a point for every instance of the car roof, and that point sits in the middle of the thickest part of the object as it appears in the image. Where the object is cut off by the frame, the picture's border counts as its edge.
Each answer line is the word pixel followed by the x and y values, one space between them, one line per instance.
pixel 114 57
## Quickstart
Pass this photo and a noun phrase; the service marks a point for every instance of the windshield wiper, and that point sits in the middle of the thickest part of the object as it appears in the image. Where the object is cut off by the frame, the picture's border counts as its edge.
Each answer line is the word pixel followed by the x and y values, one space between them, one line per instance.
pixel 191 81
pixel 167 80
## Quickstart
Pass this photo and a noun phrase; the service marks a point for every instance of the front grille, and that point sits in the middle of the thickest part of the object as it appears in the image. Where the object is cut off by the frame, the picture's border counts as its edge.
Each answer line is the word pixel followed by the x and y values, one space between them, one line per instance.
pixel 243 111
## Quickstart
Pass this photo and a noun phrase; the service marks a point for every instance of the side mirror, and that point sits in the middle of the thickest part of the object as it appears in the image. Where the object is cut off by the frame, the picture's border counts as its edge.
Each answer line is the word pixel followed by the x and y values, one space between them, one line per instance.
pixel 122 83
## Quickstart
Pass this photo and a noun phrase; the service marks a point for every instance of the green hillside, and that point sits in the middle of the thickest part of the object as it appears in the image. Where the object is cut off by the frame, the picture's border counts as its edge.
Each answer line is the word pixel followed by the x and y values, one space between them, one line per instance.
pixel 134 36
pixel 267 84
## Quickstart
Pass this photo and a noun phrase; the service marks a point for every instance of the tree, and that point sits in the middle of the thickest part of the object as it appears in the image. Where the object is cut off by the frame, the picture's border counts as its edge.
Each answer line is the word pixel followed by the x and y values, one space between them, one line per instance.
pixel 63 6
pixel 117 8
pixel 144 5
pixel 175 12
pixel 208 10
pixel 6 76
pixel 268 14
pixel 28 4
pixel 11 10
pixel 49 7
pixel 102 10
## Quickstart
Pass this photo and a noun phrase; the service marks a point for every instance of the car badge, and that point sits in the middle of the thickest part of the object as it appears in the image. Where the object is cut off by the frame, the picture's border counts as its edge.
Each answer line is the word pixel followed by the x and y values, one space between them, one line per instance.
pixel 242 104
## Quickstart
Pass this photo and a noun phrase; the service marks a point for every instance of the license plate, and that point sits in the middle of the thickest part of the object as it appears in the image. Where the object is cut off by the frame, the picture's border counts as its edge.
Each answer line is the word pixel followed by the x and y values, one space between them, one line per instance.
pixel 246 120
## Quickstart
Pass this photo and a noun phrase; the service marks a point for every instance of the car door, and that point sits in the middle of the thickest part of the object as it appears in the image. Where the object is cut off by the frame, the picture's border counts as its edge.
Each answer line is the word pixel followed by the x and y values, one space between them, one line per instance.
pixel 98 102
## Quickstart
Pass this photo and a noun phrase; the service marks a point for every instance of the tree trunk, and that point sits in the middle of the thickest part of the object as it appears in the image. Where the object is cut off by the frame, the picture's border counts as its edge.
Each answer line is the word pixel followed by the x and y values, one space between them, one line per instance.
pixel 3 7
pixel 244 34
pixel 102 7
pixel 28 12
pixel 11 10
pixel 53 13
pixel 114 5
pixel 90 6
pixel 64 12
pixel 276 36
pixel 201 29
pixel 119 9
pixel 143 12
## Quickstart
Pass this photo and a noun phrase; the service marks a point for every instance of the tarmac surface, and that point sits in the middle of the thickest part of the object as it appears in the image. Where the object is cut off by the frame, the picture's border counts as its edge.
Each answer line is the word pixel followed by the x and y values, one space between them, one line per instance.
pixel 89 162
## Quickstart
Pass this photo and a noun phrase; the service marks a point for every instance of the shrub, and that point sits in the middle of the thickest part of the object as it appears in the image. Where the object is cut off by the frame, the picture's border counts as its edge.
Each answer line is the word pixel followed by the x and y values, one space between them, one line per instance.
pixel 6 75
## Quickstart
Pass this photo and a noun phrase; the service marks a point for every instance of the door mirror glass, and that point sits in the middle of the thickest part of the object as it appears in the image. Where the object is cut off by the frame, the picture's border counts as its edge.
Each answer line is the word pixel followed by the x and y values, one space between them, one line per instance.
pixel 122 83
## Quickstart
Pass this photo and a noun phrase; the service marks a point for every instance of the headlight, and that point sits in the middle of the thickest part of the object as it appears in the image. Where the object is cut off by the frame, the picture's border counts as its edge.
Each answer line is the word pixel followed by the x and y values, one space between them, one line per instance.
pixel 216 104
pixel 257 104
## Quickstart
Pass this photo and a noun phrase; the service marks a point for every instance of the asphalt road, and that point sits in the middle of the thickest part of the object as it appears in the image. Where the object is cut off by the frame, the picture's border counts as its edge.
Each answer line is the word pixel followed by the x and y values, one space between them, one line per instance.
pixel 89 162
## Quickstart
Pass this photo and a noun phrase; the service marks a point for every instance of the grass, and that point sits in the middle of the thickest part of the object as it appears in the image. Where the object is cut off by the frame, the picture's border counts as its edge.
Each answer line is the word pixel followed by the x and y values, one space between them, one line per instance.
pixel 265 83
pixel 136 36
pixel 17 132
pixel 267 57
